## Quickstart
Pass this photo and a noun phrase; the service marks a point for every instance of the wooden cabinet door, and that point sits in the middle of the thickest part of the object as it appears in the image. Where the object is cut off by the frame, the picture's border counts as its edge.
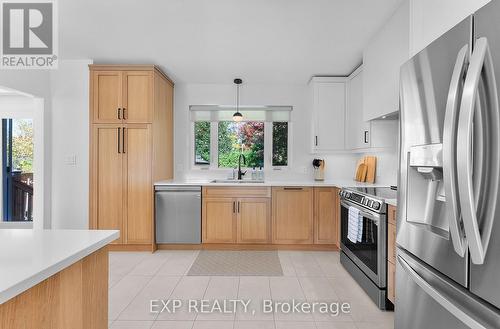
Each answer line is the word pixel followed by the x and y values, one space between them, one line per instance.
pixel 219 220
pixel 107 179
pixel 329 112
pixel 106 96
pixel 138 182
pixel 138 96
pixel 325 215
pixel 253 220
pixel 357 130
pixel 292 220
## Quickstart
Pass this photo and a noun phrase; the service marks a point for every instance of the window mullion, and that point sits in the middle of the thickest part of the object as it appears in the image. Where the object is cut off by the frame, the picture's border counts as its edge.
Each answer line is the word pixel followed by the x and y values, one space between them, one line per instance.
pixel 268 144
pixel 214 145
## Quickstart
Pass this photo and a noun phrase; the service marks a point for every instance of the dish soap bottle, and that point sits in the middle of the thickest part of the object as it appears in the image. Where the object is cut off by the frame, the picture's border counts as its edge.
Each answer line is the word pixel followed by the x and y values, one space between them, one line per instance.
pixel 260 174
pixel 254 174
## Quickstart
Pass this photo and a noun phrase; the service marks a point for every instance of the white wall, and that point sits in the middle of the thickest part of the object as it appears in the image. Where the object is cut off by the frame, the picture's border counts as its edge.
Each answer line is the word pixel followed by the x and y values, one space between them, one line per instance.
pixel 337 165
pixel 430 19
pixel 70 139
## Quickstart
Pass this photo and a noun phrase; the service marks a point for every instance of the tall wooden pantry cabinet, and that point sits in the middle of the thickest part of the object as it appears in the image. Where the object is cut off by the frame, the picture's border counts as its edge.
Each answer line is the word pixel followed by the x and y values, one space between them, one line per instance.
pixel 131 147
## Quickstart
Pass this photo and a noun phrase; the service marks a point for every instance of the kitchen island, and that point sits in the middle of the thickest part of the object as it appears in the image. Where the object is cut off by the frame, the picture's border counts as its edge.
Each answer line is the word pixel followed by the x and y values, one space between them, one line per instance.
pixel 54 278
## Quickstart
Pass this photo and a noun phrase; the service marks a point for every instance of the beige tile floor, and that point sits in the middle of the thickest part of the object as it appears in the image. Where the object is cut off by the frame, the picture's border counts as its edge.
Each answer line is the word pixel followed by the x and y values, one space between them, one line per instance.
pixel 137 277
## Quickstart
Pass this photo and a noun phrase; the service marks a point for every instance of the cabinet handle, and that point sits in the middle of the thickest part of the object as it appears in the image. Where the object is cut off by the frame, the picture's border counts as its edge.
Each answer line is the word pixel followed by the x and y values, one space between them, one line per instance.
pixel 293 188
pixel 123 141
pixel 234 207
pixel 119 151
pixel 119 113
pixel 366 136
pixel 124 114
pixel 315 140
pixel 238 207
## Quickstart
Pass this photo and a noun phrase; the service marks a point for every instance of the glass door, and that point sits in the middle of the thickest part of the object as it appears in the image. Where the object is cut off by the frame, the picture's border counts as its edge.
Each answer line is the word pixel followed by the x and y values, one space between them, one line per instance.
pixel 17 170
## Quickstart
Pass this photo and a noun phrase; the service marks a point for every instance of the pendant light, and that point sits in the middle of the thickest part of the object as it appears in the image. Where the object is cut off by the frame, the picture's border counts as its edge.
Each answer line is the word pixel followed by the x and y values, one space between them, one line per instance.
pixel 237 116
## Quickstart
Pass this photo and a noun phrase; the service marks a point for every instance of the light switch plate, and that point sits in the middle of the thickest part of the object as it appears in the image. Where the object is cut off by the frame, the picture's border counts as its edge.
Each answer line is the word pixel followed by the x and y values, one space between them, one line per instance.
pixel 70 160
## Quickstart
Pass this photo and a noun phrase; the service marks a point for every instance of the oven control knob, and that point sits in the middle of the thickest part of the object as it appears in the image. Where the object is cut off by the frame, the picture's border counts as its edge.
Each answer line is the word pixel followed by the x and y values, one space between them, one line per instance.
pixel 348 195
pixel 376 205
pixel 365 202
pixel 370 203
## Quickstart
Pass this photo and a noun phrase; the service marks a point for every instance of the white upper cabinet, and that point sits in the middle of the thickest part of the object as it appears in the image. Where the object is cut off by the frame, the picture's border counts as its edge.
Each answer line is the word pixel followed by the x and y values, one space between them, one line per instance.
pixel 382 58
pixel 357 132
pixel 328 108
pixel 430 19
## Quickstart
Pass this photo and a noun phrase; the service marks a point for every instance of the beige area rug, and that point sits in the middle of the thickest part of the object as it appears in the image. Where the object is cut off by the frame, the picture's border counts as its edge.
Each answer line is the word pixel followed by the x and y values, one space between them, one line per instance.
pixel 236 263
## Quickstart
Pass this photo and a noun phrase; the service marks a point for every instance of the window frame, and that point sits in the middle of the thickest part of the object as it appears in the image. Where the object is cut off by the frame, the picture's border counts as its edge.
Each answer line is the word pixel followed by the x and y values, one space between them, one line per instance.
pixel 214 148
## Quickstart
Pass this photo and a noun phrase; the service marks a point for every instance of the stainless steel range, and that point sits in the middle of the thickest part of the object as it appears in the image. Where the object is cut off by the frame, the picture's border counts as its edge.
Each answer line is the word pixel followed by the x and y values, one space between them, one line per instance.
pixel 364 255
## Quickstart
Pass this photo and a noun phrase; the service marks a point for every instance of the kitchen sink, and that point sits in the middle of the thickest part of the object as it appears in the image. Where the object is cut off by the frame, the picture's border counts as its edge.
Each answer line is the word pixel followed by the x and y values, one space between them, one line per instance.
pixel 229 181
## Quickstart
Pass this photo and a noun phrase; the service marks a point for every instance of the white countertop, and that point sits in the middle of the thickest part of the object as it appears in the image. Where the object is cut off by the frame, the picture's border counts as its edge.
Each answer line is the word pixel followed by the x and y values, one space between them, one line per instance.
pixel 340 183
pixel 28 256
pixel 392 202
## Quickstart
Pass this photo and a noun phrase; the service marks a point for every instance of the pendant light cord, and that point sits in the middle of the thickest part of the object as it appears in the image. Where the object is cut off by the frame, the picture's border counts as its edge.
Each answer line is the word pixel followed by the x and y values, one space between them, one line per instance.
pixel 238 98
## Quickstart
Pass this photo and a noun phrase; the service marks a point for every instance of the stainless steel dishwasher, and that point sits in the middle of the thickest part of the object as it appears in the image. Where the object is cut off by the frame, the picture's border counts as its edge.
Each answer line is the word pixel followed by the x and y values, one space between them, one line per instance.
pixel 178 214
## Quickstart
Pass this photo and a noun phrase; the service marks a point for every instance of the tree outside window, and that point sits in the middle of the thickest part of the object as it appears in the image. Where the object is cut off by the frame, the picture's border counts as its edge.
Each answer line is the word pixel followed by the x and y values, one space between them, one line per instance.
pixel 237 138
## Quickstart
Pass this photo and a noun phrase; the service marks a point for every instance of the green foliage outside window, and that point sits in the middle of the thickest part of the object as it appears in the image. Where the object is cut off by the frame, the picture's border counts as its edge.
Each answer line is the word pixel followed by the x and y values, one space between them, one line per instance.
pixel 280 143
pixel 235 138
pixel 241 137
pixel 22 145
pixel 202 142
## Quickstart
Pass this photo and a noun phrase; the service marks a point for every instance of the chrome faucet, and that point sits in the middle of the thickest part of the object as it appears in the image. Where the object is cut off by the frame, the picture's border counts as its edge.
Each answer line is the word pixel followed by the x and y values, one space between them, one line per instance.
pixel 240 173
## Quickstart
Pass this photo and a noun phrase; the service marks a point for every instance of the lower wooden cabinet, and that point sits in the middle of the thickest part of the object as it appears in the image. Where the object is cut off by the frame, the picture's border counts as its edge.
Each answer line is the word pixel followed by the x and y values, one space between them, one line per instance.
pixel 138 180
pixel 253 220
pixel 326 208
pixel 287 215
pixel 219 220
pixel 236 220
pixel 292 215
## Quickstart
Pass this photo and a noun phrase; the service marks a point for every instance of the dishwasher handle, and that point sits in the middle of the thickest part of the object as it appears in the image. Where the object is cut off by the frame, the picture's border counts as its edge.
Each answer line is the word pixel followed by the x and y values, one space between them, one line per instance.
pixel 170 188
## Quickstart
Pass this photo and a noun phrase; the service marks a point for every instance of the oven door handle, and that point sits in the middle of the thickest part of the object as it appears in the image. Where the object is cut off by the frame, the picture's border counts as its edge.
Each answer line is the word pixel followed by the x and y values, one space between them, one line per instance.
pixel 373 217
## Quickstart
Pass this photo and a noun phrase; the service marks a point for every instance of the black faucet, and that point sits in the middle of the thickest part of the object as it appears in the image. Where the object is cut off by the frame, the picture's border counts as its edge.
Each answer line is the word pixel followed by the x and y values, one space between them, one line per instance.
pixel 240 173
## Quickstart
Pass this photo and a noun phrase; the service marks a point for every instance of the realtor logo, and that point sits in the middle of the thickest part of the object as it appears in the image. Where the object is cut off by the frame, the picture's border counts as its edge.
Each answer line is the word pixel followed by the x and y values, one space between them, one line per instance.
pixel 29 34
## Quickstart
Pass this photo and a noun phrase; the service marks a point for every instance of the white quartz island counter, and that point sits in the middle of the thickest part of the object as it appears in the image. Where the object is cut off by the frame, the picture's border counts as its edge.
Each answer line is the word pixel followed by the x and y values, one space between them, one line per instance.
pixel 27 257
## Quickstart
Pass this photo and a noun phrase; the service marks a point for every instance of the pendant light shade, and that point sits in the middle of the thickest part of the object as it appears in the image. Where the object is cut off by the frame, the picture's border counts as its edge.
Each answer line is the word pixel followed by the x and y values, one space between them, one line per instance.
pixel 237 116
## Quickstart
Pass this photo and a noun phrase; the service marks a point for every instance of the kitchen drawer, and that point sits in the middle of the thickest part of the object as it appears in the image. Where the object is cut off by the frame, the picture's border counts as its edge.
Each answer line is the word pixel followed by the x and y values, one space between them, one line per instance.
pixel 391 243
pixel 391 214
pixel 236 192
pixel 391 279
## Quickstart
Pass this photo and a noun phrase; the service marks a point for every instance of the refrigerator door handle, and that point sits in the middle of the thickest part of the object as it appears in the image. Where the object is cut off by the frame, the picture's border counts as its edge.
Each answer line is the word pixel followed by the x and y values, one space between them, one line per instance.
pixel 438 296
pixel 449 151
pixel 480 70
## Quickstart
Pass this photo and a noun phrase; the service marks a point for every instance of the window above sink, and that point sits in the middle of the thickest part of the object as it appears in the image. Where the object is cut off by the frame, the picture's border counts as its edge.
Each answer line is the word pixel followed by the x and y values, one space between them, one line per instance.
pixel 262 137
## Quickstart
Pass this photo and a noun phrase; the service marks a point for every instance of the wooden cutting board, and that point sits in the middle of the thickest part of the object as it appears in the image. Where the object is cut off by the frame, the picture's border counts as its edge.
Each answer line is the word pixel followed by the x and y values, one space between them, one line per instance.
pixel 371 164
pixel 360 162
pixel 361 172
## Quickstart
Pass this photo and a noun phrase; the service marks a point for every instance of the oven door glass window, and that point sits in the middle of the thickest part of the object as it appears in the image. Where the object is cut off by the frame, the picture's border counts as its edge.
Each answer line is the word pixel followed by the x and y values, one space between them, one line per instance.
pixel 366 249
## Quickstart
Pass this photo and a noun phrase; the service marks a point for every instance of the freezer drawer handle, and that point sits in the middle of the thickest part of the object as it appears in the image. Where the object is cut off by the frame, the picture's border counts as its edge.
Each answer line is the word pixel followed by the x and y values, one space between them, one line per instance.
pixel 449 151
pixel 438 297
pixel 487 159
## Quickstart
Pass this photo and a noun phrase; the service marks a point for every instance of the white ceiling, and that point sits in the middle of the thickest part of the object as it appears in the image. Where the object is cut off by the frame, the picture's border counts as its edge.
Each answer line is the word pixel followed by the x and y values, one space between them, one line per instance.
pixel 213 41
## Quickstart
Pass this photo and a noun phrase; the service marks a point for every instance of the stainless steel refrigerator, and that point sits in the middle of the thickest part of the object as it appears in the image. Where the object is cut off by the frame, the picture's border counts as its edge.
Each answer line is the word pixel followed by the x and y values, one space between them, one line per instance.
pixel 448 223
